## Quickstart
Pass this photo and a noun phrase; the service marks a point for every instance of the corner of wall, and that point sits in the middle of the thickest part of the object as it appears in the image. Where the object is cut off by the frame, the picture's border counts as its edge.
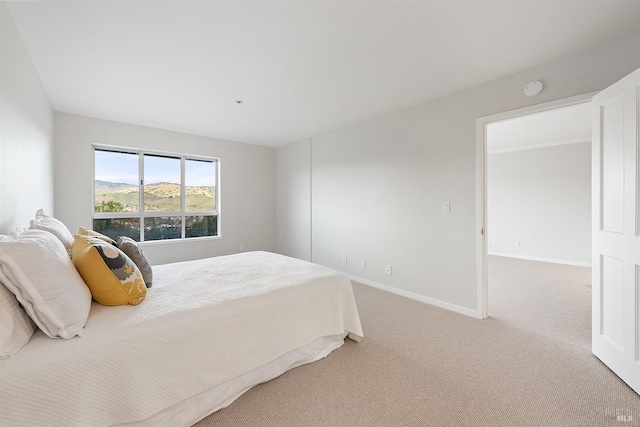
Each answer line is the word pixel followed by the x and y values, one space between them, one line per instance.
pixel 293 200
pixel 26 132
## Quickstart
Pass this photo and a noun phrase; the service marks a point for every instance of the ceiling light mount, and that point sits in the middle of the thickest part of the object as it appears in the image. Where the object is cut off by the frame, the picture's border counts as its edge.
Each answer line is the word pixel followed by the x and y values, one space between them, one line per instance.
pixel 533 88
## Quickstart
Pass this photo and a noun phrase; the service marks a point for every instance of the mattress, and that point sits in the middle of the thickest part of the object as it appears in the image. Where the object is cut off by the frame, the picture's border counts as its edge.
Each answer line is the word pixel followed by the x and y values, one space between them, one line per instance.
pixel 204 325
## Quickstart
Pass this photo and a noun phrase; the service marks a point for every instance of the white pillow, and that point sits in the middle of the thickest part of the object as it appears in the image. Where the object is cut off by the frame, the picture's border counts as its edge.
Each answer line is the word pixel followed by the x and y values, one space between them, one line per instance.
pixel 35 267
pixel 53 226
pixel 16 327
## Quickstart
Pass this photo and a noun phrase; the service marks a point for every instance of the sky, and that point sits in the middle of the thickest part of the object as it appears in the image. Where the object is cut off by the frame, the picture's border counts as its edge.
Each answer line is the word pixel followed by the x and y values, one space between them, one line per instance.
pixel 123 168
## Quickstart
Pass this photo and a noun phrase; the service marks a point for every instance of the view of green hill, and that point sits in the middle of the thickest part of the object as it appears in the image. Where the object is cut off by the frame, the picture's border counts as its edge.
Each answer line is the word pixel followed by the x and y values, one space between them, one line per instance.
pixel 106 186
pixel 162 196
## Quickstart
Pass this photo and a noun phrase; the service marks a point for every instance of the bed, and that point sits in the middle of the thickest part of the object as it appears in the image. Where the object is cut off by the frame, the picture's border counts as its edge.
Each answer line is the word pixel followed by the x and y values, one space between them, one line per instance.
pixel 207 331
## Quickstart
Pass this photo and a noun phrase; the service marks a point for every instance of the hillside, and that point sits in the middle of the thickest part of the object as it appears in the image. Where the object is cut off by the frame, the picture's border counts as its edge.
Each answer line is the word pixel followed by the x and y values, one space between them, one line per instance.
pixel 107 187
pixel 162 196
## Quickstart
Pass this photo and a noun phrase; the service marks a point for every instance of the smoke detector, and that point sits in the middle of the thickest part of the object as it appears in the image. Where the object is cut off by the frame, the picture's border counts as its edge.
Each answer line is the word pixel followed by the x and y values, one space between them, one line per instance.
pixel 533 88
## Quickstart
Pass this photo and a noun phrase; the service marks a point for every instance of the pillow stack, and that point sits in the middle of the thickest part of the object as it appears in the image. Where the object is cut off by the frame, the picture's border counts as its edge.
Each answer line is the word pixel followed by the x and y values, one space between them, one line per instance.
pixel 48 279
pixel 39 287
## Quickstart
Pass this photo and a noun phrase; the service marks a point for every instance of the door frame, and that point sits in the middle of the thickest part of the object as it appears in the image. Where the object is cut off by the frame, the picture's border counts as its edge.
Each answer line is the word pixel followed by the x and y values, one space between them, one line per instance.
pixel 481 186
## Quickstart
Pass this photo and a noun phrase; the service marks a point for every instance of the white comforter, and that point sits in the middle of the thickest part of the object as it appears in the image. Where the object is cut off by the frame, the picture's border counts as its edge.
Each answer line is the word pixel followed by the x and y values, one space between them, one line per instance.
pixel 203 323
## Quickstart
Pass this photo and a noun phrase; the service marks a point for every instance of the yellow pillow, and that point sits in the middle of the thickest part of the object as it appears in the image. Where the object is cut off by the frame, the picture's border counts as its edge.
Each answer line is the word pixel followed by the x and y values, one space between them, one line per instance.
pixel 86 232
pixel 110 275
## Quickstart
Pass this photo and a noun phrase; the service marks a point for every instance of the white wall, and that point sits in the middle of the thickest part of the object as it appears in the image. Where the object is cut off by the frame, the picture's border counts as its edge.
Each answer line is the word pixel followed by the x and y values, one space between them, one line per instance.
pixel 542 199
pixel 378 186
pixel 247 183
pixel 26 133
pixel 293 192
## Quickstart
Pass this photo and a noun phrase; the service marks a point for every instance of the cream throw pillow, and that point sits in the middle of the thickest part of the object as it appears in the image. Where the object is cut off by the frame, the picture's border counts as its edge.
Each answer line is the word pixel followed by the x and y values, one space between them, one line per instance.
pixel 56 227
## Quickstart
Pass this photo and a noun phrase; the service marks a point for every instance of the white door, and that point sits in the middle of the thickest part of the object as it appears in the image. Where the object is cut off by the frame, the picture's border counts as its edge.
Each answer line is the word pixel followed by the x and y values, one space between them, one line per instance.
pixel 616 229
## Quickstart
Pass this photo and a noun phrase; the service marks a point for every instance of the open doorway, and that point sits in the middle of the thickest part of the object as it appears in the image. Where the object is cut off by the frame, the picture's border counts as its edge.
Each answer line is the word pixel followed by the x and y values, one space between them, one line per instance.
pixel 535 171
pixel 539 222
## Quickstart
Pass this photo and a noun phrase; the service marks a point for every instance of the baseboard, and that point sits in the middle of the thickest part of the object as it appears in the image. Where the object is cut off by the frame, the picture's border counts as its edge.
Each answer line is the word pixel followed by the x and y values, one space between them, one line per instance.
pixel 417 297
pixel 533 258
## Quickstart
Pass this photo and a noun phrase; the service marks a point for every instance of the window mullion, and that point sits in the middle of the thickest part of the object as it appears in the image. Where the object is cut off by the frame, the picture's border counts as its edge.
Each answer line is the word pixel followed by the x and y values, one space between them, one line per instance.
pixel 141 193
pixel 183 196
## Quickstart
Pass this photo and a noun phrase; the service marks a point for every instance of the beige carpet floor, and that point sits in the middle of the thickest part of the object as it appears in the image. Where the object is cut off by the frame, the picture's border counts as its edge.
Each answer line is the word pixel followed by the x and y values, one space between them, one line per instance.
pixel 529 364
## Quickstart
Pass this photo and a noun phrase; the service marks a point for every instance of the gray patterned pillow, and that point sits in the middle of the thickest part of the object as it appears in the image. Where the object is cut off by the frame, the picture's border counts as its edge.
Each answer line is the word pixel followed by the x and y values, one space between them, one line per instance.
pixel 132 250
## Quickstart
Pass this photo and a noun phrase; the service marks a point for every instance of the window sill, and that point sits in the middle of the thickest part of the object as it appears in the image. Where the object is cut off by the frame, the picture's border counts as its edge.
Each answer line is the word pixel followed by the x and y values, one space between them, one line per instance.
pixel 170 241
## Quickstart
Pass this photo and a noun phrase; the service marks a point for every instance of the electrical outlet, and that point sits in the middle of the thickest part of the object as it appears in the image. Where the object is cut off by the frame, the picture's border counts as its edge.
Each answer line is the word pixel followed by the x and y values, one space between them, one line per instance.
pixel 241 248
pixel 344 259
pixel 387 270
pixel 446 207
pixel 363 263
pixel 517 244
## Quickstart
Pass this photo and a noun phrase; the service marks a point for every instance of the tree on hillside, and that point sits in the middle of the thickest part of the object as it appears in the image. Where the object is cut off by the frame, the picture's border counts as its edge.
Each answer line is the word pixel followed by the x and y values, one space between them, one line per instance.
pixel 110 206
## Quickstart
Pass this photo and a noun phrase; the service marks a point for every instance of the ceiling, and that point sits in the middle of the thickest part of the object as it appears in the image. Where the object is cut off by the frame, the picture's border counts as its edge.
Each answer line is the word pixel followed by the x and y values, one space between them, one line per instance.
pixel 565 125
pixel 301 68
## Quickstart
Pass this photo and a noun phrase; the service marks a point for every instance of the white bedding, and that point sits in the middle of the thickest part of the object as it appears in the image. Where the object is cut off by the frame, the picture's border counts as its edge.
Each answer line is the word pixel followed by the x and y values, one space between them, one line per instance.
pixel 203 324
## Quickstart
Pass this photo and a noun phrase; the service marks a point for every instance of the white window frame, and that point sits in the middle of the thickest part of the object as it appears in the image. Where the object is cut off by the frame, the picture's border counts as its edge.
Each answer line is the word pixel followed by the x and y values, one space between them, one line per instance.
pixel 154 214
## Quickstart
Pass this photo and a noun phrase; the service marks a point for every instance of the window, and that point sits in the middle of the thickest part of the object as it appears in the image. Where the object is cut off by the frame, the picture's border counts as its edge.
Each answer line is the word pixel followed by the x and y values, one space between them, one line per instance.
pixel 152 196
